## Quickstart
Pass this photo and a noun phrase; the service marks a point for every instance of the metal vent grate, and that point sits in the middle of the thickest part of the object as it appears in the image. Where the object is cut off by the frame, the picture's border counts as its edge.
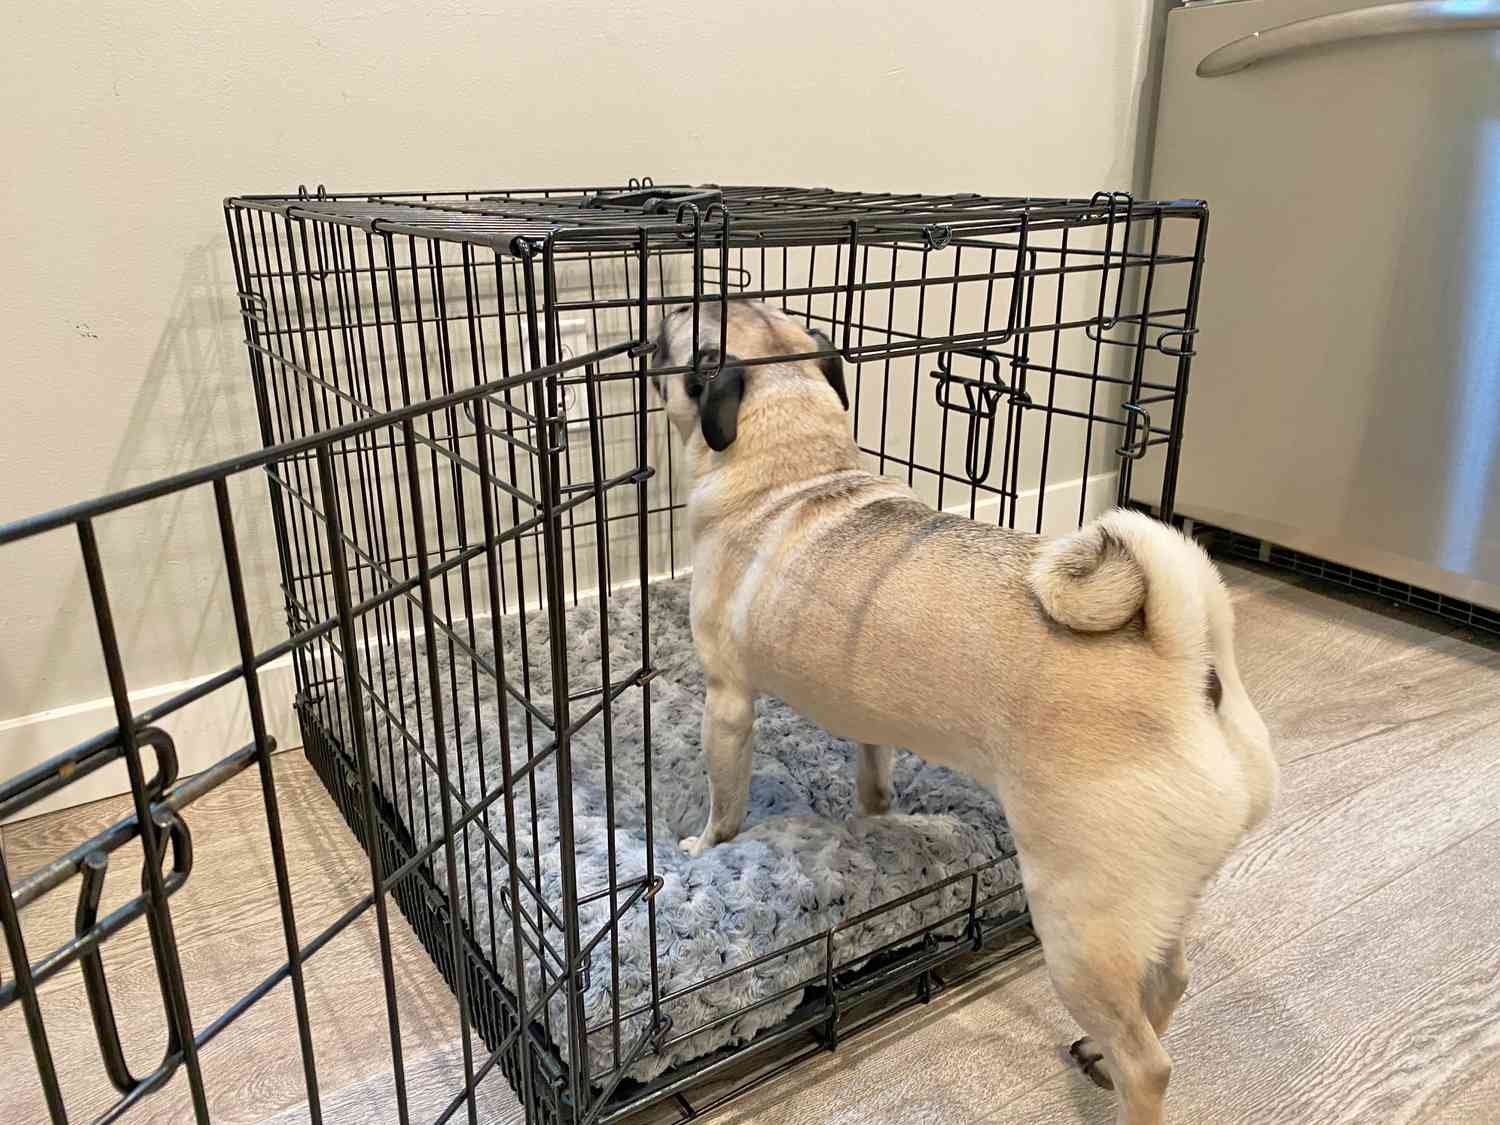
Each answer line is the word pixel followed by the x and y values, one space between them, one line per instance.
pixel 1235 545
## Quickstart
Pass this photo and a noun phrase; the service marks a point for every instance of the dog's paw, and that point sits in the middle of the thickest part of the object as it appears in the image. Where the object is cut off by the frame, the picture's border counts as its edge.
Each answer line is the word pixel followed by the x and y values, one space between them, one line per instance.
pixel 695 845
pixel 1090 1060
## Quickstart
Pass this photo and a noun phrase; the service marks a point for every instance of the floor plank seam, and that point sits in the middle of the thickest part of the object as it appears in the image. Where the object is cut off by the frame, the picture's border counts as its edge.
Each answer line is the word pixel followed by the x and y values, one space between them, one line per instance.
pixel 1381 732
pixel 1300 934
pixel 1244 863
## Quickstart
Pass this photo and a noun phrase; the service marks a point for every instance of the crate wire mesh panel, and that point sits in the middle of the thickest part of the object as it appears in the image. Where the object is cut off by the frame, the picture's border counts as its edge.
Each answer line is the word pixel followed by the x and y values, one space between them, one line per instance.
pixel 469 479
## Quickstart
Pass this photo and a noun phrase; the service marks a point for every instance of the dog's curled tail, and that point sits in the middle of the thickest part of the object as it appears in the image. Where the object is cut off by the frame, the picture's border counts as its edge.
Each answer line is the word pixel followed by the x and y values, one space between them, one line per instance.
pixel 1103 574
pixel 1100 576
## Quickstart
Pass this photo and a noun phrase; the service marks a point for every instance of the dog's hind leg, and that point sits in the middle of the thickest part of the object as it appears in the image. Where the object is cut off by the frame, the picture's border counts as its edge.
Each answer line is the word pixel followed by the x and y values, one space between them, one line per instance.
pixel 1166 981
pixel 1102 984
pixel 728 715
pixel 872 775
pixel 1101 945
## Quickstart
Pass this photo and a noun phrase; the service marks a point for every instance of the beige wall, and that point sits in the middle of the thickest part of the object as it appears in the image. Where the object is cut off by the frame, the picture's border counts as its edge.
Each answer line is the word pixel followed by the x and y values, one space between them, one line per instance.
pixel 124 124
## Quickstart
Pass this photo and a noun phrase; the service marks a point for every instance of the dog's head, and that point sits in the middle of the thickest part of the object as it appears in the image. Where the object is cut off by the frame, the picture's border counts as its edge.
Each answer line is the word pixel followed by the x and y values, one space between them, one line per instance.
pixel 702 402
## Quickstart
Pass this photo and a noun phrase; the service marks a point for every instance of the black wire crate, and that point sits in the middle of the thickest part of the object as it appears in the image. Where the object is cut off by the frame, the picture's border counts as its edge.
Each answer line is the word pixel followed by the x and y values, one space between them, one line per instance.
pixel 474 501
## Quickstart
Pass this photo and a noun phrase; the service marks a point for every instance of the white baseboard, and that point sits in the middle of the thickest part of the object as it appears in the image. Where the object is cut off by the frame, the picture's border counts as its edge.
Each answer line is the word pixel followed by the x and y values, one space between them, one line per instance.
pixel 219 723
pixel 1059 502
pixel 203 732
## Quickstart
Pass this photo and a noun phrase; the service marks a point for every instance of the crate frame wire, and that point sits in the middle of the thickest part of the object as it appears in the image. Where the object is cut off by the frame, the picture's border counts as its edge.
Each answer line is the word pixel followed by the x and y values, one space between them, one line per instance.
pixel 356 309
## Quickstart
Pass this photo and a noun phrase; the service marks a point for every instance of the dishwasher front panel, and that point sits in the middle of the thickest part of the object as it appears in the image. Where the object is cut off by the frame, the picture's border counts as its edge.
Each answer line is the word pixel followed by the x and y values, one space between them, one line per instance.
pixel 1346 392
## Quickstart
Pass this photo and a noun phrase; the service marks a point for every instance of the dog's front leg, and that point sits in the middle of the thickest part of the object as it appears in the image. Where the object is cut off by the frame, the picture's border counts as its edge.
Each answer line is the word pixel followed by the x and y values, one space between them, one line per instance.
pixel 873 779
pixel 728 713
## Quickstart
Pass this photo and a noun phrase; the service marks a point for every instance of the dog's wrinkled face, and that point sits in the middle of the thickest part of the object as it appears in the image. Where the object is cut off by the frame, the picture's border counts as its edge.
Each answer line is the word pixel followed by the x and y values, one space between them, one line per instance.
pixel 701 401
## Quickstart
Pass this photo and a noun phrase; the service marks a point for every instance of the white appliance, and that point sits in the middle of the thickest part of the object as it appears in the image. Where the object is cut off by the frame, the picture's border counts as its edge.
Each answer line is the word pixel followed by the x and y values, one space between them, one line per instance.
pixel 1346 394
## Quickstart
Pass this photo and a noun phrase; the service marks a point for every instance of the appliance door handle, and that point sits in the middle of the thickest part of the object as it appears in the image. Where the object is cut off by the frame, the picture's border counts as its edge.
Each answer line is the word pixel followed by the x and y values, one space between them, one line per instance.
pixel 1343 27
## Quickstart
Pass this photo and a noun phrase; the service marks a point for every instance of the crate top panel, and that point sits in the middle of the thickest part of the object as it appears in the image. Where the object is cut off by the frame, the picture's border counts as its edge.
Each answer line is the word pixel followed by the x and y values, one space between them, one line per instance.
pixel 525 220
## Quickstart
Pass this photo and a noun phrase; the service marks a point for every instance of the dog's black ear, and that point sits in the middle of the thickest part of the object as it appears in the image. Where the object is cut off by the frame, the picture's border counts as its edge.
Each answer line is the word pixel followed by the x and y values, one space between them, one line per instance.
pixel 832 367
pixel 719 401
pixel 659 345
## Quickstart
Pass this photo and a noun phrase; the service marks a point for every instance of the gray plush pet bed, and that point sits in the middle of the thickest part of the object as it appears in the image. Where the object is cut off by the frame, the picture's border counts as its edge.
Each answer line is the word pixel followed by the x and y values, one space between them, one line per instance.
pixel 803 862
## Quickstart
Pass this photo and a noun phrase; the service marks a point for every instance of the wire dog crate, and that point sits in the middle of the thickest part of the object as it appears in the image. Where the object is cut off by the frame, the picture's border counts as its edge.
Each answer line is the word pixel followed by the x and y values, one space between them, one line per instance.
pixel 475 509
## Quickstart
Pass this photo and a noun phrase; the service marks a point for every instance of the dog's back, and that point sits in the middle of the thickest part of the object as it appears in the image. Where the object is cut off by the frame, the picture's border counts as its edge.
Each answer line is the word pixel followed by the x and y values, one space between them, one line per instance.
pixel 888 622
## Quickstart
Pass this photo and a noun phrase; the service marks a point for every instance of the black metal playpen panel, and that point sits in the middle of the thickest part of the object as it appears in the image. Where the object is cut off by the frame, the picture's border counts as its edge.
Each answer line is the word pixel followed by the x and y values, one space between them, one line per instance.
pixel 452 393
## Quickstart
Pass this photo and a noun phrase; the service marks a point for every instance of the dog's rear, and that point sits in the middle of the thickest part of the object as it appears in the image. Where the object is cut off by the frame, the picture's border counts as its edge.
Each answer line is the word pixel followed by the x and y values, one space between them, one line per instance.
pixel 1101 576
pixel 1116 952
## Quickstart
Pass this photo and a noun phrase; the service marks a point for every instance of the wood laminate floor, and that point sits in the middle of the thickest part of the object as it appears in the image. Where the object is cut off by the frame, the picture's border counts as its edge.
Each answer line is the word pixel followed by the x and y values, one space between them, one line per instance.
pixel 1346 964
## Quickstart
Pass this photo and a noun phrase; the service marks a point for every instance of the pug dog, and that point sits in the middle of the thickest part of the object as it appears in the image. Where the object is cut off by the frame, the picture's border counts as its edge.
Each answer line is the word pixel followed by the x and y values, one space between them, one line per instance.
pixel 1089 681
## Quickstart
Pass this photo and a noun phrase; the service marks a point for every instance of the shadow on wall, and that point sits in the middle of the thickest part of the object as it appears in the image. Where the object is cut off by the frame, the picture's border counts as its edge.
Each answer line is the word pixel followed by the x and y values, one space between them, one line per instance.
pixel 163 564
